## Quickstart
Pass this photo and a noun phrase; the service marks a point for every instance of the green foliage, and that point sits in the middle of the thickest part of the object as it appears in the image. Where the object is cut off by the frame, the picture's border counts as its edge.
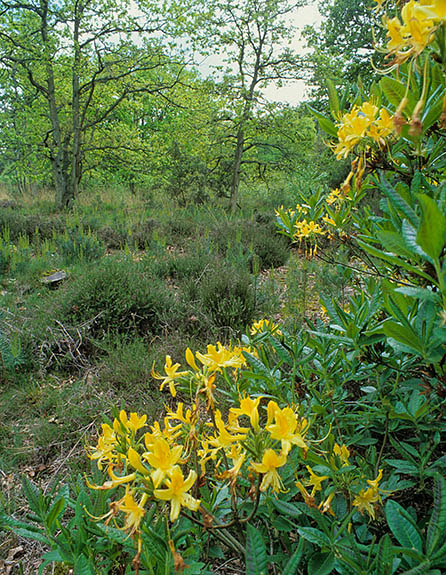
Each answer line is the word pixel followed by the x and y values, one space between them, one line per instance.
pixel 226 296
pixel 79 246
pixel 14 356
pixel 117 297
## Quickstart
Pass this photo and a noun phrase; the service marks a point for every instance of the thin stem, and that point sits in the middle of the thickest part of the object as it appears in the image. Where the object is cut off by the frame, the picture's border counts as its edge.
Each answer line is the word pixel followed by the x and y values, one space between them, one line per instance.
pixel 383 444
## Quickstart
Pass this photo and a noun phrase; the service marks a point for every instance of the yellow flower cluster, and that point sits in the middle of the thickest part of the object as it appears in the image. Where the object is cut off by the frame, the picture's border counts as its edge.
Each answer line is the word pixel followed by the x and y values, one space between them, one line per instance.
pixel 152 461
pixel 410 36
pixel 149 466
pixel 264 325
pixel 365 121
pixel 218 357
pixel 308 229
pixel 367 498
pixel 169 461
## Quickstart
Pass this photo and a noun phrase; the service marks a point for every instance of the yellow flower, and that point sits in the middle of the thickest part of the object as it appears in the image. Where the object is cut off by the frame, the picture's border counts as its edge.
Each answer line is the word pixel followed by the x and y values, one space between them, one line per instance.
pixel 169 433
pixel 133 510
pixel 271 461
pixel 219 357
pixel 264 325
pixel 130 424
pixel 325 506
pixel 434 9
pixel 309 499
pixel 105 449
pixel 315 481
pixel 238 456
pixel 134 459
pixel 223 439
pixel 306 229
pixel 342 452
pixel 115 481
pixel 369 110
pixel 172 374
pixel 394 33
pixel 176 492
pixel 416 31
pixel 374 484
pixel 180 416
pixel 248 407
pixel 162 458
pixel 286 427
pixel 328 220
pixel 333 196
pixel 191 359
pixel 366 500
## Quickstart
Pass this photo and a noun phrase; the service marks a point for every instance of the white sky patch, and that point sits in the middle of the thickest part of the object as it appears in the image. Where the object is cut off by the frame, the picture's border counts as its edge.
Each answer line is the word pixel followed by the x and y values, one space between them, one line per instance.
pixel 293 91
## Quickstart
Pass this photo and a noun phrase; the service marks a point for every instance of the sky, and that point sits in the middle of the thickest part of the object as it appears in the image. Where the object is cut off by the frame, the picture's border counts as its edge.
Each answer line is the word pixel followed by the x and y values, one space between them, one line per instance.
pixel 294 92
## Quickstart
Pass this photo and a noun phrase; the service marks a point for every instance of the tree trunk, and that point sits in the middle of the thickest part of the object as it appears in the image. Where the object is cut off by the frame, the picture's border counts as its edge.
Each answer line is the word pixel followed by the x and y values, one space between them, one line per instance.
pixel 76 160
pixel 59 155
pixel 236 167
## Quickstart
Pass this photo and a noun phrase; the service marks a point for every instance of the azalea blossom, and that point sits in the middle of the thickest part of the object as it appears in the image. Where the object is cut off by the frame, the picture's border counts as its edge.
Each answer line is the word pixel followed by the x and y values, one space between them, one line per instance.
pixel 172 374
pixel 286 427
pixel 176 492
pixel 162 458
pixel 271 461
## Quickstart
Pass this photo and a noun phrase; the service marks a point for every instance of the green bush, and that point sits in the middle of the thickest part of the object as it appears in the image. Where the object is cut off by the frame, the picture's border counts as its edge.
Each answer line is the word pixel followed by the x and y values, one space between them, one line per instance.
pixel 4 262
pixel 20 224
pixel 76 245
pixel 181 266
pixel 226 295
pixel 119 297
pixel 240 240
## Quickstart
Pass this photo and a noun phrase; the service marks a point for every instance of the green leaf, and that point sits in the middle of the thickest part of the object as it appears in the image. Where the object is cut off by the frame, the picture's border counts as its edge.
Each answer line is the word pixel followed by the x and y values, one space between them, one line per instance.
pixel 314 536
pixel 333 98
pixel 431 236
pixel 395 92
pixel 258 366
pixel 32 535
pixel 256 558
pixel 437 523
pixel 393 242
pixel 321 564
pixel 433 108
pixel 404 466
pixel 295 559
pixel 399 202
pixel 32 494
pixel 57 508
pixel 410 237
pixel 402 526
pixel 372 250
pixel 419 293
pixel 418 569
pixel 326 124
pixel 402 334
pixel 9 522
pixel 286 508
pixel 82 567
pixel 48 558
pixel 384 556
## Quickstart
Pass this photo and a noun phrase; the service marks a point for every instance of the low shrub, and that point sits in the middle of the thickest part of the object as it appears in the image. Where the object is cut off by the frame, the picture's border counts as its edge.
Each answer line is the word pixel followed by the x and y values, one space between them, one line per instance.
pixel 244 238
pixel 118 296
pixel 76 245
pixel 19 224
pixel 226 296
